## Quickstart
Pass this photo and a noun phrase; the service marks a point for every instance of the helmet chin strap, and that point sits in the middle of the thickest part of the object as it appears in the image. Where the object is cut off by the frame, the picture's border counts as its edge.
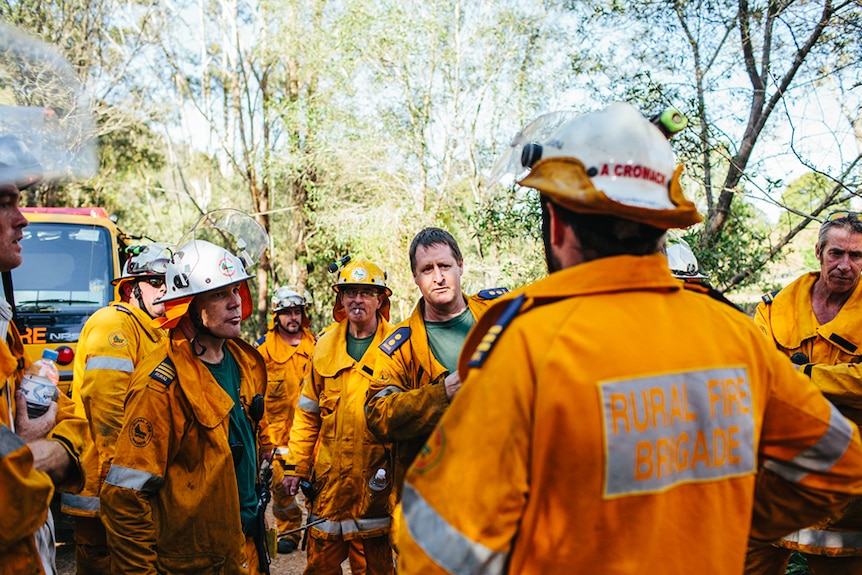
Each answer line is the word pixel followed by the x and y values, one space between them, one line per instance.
pixel 136 292
pixel 198 348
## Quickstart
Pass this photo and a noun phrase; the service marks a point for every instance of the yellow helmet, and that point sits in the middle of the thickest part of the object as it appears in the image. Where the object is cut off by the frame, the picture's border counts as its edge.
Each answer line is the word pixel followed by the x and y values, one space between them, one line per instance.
pixel 361 272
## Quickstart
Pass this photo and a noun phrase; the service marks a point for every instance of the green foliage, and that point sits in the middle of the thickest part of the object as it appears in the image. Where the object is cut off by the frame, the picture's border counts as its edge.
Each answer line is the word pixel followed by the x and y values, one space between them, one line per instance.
pixel 798 565
pixel 739 248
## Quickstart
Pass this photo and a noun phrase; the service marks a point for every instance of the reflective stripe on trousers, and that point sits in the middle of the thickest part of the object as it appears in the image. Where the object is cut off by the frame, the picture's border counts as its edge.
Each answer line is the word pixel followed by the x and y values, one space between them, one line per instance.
pixel 350 525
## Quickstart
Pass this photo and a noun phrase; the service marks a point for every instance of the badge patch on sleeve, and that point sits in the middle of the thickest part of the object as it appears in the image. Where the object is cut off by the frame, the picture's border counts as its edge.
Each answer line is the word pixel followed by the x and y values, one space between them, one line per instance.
pixel 141 432
pixel 431 452
pixel 118 340
pixel 667 430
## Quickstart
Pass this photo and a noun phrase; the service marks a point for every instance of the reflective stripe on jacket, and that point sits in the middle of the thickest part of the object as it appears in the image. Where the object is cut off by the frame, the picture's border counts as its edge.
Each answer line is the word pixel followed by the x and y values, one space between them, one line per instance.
pixel 331 443
pixel 834 364
pixel 114 340
pixel 170 502
pixel 619 407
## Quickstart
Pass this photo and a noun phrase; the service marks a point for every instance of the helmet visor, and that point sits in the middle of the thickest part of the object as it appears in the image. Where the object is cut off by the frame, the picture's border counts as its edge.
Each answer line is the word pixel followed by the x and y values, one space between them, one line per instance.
pixel 236 231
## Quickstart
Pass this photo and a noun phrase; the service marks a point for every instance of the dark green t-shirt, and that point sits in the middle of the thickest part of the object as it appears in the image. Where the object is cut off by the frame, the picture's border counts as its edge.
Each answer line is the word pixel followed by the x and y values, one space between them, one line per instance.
pixel 240 436
pixel 446 338
pixel 356 346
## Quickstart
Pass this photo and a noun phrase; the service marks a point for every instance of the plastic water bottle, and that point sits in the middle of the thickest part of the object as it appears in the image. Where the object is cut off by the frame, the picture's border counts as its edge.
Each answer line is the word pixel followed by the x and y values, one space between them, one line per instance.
pixel 39 383
pixel 379 481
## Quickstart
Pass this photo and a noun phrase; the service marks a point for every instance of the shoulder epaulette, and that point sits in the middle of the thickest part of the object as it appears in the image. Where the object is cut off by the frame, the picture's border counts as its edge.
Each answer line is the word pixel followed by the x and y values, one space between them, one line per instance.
pixel 165 373
pixel 123 309
pixel 490 339
pixel 492 293
pixel 395 340
pixel 767 298
pixel 260 341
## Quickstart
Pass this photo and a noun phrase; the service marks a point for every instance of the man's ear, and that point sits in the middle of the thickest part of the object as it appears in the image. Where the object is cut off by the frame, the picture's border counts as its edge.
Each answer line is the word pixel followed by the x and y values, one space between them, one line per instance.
pixel 558 228
pixel 126 291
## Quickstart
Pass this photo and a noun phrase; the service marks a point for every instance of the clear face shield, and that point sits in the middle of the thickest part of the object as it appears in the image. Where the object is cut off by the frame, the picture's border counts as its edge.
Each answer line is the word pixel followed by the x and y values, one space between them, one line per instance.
pixel 524 150
pixel 235 231
pixel 44 110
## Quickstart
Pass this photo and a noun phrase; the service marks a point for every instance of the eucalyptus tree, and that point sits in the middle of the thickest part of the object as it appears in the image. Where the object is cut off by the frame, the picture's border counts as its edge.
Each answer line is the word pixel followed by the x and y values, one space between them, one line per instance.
pixel 771 87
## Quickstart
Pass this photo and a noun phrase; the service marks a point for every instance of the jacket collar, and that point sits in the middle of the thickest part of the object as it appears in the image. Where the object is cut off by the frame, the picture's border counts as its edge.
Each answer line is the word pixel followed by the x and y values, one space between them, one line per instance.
pixel 606 275
pixel 330 353
pixel 209 402
pixel 793 305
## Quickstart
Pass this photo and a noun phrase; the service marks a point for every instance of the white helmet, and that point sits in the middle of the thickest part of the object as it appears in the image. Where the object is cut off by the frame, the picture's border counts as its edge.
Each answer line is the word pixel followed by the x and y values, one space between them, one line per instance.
pixel 286 298
pixel 681 260
pixel 199 267
pixel 145 260
pixel 613 162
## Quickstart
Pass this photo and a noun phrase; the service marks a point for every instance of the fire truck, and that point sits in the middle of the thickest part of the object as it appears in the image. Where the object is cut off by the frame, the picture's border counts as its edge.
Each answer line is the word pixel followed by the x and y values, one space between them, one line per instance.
pixel 70 256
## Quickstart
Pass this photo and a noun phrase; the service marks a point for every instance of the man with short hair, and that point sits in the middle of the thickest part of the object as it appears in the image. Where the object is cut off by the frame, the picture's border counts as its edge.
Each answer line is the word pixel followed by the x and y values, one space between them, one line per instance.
pixel 590 435
pixel 816 321
pixel 40 454
pixel 182 493
pixel 330 447
pixel 415 368
pixel 286 349
pixel 114 340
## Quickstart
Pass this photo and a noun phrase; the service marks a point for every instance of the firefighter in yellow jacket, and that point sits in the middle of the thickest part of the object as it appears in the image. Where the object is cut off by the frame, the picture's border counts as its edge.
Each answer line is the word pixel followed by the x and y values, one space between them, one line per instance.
pixel 181 495
pixel 589 437
pixel 114 340
pixel 349 473
pixel 286 349
pixel 816 321
pixel 40 454
pixel 415 368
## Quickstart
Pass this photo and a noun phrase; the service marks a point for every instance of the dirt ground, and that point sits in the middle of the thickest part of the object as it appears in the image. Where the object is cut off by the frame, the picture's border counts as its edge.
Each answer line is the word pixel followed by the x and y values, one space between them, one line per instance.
pixel 291 564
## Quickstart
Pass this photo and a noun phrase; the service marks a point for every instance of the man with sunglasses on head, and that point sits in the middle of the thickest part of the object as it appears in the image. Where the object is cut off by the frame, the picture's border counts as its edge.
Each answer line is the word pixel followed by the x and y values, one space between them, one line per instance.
pixel 112 343
pixel 817 322
pixel 330 446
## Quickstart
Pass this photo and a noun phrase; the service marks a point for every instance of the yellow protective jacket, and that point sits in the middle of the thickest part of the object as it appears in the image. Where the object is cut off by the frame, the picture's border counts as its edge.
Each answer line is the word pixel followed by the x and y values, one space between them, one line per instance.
pixel 834 352
pixel 114 340
pixel 286 368
pixel 407 397
pixel 593 434
pixel 330 415
pixel 26 492
pixel 170 502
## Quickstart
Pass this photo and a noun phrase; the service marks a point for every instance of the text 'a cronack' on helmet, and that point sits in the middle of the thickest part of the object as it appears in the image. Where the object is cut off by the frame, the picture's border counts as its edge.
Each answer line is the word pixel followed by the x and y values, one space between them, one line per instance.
pixel 614 162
